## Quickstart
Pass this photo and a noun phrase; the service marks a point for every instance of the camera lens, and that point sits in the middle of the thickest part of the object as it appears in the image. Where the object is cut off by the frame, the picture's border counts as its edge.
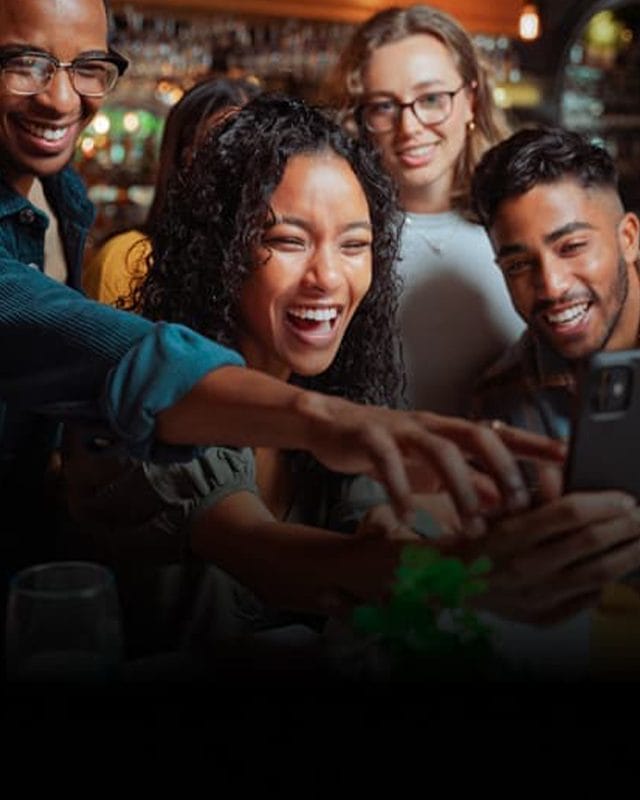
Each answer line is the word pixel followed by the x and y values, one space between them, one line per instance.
pixel 612 390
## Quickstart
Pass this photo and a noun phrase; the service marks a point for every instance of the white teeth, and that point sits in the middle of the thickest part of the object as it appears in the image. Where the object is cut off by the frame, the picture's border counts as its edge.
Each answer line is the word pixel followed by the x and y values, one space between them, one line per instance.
pixel 422 150
pixel 317 314
pixel 567 315
pixel 49 134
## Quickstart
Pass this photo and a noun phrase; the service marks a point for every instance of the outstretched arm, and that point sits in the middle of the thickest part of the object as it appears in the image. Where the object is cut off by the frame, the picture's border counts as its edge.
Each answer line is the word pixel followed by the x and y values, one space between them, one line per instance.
pixel 300 567
pixel 165 382
pixel 404 450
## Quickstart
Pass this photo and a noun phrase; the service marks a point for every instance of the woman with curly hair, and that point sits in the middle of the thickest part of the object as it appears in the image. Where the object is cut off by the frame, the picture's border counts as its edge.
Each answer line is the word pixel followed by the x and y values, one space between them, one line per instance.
pixel 221 213
pixel 279 240
pixel 412 82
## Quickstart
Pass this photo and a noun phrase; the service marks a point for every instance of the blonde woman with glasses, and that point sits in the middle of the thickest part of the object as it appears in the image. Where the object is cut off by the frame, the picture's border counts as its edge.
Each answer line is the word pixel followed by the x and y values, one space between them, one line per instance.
pixel 412 81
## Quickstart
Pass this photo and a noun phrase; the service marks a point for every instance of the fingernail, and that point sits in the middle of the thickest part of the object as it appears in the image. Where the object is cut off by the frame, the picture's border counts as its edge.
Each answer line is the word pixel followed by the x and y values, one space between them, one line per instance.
pixel 515 482
pixel 518 500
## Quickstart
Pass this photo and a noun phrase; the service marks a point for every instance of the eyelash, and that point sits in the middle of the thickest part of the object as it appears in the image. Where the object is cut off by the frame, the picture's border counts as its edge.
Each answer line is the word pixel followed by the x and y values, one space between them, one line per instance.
pixel 516 268
pixel 292 241
pixel 573 246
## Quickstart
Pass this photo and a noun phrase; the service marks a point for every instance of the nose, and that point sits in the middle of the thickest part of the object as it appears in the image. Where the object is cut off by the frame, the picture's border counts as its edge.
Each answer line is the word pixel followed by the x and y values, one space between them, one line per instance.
pixel 407 121
pixel 60 94
pixel 553 278
pixel 323 273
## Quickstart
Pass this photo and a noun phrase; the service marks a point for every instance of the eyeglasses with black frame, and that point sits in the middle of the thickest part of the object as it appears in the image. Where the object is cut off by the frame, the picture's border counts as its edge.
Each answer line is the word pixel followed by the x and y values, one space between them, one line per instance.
pixel 430 108
pixel 28 72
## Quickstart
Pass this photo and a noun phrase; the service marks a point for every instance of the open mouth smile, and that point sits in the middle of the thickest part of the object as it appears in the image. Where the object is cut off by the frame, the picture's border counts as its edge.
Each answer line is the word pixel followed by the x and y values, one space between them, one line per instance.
pixel 568 317
pixel 418 155
pixel 45 137
pixel 49 133
pixel 314 322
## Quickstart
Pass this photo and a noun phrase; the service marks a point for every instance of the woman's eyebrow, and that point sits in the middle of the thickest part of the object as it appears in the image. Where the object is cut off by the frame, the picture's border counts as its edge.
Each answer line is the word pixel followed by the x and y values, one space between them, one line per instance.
pixel 286 219
pixel 361 223
pixel 432 84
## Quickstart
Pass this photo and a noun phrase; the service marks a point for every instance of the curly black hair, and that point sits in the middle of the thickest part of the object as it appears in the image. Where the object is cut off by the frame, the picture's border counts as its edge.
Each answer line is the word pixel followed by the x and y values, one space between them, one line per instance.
pixel 203 242
pixel 533 156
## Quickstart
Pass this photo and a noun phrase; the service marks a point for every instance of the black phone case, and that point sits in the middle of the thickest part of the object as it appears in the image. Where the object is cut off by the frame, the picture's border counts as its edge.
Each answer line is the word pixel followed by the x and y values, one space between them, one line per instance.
pixel 604 449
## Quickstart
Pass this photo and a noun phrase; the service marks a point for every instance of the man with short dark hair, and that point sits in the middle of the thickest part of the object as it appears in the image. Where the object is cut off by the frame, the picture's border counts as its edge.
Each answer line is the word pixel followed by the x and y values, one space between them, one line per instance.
pixel 568 251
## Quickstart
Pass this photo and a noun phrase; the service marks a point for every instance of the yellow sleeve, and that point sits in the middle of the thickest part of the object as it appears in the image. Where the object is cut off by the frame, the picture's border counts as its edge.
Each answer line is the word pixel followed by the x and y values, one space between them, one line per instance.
pixel 110 272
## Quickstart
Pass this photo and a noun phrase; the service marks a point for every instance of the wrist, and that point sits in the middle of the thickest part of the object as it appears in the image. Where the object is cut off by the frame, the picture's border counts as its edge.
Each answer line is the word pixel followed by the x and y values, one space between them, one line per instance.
pixel 317 415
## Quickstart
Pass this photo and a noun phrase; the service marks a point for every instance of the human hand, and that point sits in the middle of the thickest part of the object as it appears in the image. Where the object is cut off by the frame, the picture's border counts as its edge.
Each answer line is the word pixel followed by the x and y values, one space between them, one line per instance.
pixel 366 570
pixel 544 456
pixel 381 523
pixel 552 561
pixel 425 452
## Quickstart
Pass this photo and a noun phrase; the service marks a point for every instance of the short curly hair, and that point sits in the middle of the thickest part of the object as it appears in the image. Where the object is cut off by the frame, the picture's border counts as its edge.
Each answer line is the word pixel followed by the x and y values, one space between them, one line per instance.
pixel 204 240
pixel 533 156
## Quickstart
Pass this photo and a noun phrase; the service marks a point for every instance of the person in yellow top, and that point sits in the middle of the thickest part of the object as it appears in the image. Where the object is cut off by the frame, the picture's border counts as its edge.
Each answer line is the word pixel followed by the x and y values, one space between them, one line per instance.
pixel 122 260
pixel 110 271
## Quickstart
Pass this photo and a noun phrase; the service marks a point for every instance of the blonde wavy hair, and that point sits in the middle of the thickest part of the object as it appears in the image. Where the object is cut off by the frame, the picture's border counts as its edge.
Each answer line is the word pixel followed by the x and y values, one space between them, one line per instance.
pixel 345 88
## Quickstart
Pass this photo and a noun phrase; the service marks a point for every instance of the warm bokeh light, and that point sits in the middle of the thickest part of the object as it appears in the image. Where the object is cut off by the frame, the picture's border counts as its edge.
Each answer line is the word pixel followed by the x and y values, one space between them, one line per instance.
pixel 101 123
pixel 603 29
pixel 168 92
pixel 88 146
pixel 131 122
pixel 529 22
pixel 521 94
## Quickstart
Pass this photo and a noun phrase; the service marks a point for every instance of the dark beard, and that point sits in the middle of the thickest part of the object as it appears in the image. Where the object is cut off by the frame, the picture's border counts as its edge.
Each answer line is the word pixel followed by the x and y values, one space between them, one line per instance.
pixel 621 294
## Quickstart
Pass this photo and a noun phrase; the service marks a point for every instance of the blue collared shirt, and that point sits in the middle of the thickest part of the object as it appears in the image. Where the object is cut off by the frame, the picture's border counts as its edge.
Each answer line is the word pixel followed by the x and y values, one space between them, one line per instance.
pixel 66 356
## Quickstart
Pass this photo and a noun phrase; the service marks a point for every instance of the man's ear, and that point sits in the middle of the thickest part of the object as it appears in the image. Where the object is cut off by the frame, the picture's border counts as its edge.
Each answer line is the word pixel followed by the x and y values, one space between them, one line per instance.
pixel 629 233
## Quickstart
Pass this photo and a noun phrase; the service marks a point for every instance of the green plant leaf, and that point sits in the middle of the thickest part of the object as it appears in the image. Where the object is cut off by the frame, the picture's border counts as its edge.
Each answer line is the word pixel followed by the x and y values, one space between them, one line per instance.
pixel 426 623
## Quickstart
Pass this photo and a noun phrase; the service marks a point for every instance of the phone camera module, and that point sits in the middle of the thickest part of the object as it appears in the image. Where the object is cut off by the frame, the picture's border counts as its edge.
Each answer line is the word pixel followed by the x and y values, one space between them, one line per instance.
pixel 612 390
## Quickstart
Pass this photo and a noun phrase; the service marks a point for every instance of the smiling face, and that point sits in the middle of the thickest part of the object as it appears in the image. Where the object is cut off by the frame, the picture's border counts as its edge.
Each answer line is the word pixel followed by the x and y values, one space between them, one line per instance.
pixel 38 132
pixel 568 255
pixel 313 269
pixel 421 158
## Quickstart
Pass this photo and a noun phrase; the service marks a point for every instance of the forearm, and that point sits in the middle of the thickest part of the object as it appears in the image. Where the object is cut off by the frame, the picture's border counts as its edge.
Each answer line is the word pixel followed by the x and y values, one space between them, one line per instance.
pixel 292 566
pixel 287 566
pixel 64 354
pixel 56 345
pixel 238 407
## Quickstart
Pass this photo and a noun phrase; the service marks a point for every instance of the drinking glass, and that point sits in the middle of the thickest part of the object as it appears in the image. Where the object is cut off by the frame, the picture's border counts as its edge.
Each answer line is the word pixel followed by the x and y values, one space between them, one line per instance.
pixel 63 624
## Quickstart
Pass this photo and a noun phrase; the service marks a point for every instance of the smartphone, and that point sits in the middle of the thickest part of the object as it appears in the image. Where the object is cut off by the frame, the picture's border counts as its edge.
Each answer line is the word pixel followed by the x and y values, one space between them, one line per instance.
pixel 604 447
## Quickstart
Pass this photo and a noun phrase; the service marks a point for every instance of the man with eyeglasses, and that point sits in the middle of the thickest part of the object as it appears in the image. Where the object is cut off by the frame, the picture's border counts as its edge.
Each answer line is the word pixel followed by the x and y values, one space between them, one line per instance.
pixel 29 71
pixel 153 386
